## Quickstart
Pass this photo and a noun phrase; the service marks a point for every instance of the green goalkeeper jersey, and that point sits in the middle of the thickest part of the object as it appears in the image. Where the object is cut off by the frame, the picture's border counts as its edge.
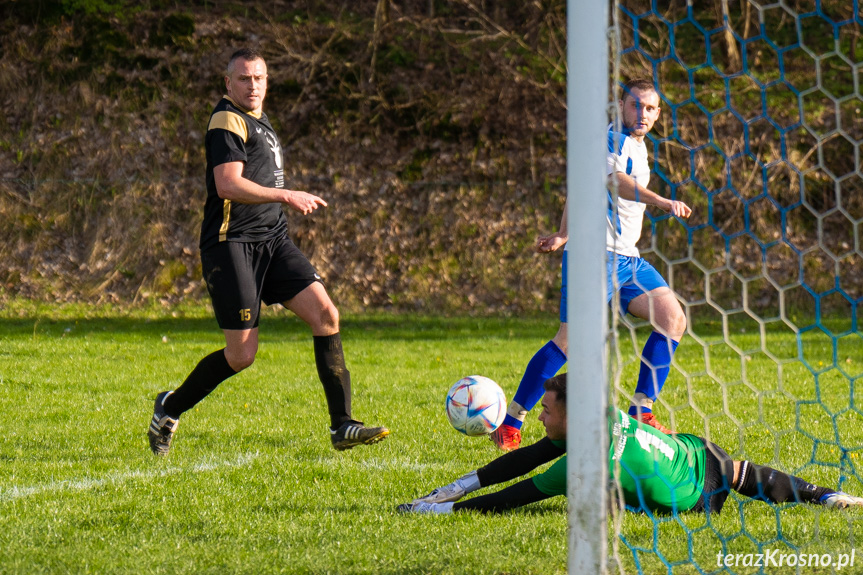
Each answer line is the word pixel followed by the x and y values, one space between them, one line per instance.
pixel 657 472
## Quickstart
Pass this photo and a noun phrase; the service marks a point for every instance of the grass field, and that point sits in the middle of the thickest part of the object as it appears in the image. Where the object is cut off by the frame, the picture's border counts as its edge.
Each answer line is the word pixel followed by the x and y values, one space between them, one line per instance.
pixel 253 486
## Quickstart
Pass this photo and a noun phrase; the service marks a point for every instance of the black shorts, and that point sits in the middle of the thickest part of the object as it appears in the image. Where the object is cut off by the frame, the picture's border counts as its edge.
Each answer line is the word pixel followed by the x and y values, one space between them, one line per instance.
pixel 240 275
pixel 718 475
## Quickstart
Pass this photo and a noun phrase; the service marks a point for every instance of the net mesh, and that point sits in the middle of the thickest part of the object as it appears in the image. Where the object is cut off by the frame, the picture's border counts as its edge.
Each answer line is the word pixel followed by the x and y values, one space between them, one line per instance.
pixel 760 132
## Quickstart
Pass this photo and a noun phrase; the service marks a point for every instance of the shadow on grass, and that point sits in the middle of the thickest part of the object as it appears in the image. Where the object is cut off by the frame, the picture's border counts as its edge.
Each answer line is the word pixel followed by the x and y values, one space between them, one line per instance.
pixel 275 325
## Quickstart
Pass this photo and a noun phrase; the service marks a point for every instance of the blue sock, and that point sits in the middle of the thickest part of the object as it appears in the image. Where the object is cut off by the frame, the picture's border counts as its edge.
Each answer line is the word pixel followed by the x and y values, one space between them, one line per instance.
pixel 544 364
pixel 657 353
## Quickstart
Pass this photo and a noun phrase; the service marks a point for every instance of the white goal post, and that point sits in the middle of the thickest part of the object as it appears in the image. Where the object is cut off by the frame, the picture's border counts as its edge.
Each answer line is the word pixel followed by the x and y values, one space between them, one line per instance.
pixel 587 438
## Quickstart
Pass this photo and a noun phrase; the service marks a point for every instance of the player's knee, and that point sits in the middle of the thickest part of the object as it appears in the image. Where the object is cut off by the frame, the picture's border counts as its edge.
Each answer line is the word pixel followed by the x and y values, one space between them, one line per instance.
pixel 673 322
pixel 678 327
pixel 560 339
pixel 329 318
pixel 240 359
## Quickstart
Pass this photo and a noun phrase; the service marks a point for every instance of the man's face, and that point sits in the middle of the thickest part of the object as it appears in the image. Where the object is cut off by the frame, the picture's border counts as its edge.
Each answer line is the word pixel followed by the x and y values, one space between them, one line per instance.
pixel 247 84
pixel 553 416
pixel 640 109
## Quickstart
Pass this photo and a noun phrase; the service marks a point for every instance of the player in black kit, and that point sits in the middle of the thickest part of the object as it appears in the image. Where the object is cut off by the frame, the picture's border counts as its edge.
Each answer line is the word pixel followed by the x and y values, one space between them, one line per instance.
pixel 247 258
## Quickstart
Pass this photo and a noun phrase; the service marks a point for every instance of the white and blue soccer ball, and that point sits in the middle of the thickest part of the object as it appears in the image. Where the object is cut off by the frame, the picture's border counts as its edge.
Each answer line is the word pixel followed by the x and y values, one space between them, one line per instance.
pixel 475 405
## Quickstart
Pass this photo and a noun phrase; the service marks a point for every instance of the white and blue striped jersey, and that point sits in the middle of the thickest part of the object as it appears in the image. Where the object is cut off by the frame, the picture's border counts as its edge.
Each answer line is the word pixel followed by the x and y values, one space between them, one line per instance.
pixel 627 155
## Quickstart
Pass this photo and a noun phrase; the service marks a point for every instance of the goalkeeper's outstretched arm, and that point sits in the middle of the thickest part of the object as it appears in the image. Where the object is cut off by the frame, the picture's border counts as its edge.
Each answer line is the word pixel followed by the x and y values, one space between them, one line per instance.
pixel 517 463
pixel 504 468
pixel 522 493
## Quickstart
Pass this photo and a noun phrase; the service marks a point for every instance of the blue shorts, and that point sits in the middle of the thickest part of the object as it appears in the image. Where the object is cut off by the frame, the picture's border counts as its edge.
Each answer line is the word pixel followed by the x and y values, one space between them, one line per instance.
pixel 562 312
pixel 635 276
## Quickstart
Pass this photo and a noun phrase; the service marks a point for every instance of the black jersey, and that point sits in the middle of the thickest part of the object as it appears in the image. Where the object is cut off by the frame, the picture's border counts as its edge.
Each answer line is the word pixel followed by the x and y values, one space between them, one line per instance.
pixel 236 135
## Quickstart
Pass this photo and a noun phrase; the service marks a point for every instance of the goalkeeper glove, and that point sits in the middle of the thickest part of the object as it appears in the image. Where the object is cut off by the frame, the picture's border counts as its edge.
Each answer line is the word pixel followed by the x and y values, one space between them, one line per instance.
pixel 423 507
pixel 454 491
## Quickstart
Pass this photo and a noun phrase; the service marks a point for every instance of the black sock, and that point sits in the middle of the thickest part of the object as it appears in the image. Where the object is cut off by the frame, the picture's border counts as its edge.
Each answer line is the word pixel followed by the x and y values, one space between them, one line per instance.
pixel 209 373
pixel 334 376
pixel 766 483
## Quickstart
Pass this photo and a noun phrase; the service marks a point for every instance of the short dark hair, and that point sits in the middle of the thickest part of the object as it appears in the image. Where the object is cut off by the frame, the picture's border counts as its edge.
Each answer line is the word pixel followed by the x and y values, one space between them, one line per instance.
pixel 247 54
pixel 638 84
pixel 557 384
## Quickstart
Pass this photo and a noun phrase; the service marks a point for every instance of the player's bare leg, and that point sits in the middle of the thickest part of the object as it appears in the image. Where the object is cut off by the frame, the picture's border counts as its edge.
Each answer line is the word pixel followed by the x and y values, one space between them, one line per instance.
pixel 241 347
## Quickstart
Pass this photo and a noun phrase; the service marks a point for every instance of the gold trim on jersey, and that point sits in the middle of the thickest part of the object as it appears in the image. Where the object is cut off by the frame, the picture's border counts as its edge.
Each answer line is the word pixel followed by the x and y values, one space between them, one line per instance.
pixel 230 121
pixel 256 115
pixel 226 220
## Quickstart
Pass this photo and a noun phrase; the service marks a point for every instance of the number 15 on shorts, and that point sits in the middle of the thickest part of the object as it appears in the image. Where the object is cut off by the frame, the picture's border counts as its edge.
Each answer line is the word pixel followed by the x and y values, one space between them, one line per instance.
pixel 245 314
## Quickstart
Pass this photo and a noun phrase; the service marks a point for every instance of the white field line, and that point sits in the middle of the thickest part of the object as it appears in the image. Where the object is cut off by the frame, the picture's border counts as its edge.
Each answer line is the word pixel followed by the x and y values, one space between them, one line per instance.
pixel 119 478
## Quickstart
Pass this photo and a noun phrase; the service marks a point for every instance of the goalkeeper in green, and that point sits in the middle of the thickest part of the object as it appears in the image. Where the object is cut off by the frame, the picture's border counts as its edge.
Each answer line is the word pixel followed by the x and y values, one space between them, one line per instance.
pixel 657 472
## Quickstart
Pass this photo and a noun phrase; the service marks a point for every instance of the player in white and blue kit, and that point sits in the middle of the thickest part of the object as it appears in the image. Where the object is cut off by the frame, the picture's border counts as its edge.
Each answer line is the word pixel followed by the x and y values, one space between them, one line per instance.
pixel 640 286
pixel 643 292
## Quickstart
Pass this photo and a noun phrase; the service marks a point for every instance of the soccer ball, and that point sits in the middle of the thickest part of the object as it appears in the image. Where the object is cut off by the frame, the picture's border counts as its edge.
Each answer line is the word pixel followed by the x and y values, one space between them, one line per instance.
pixel 475 405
